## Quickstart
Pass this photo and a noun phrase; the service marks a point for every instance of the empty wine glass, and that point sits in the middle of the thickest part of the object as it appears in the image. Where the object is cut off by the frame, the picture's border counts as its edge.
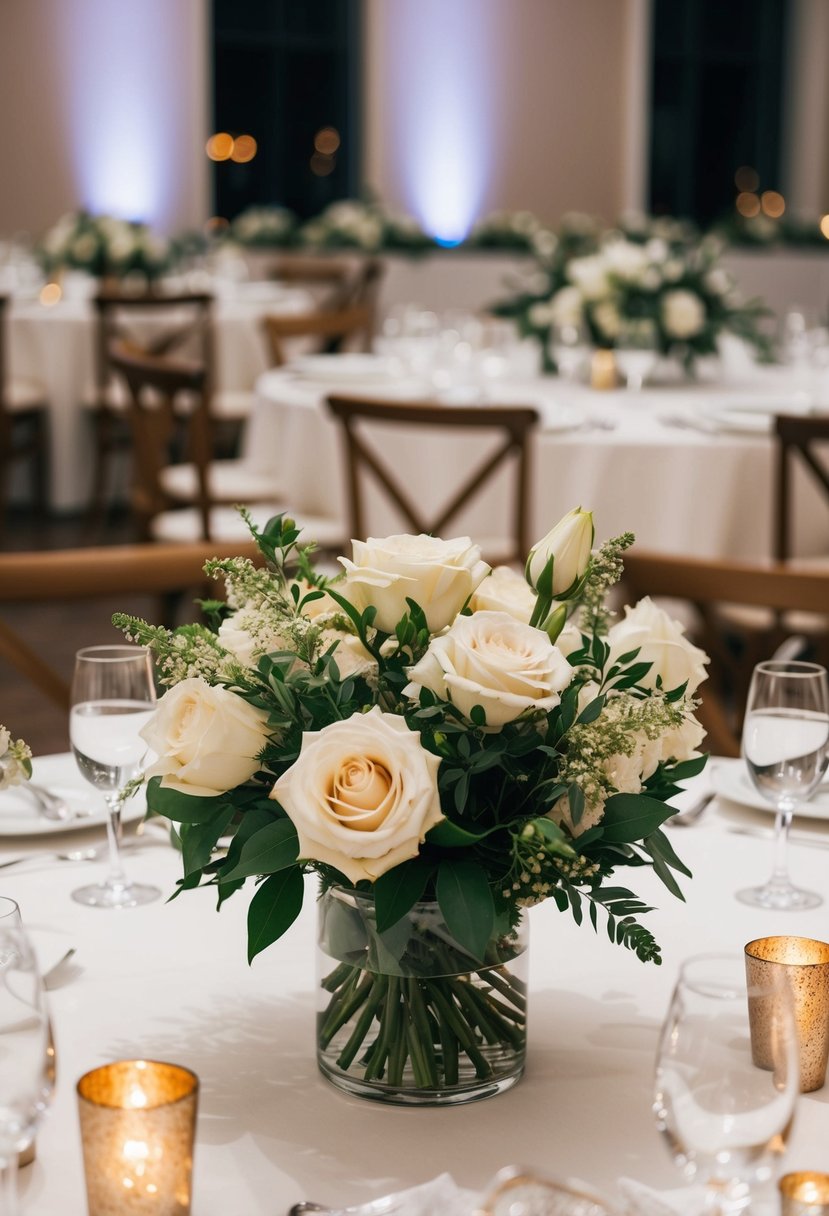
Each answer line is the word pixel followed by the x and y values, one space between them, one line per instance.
pixel 635 350
pixel 786 750
pixel 724 1118
pixel 569 347
pixel 113 696
pixel 26 1065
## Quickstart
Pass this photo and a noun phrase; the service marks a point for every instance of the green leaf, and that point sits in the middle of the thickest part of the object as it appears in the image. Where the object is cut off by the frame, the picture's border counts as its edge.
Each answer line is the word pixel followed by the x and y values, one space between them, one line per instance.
pixel 591 712
pixel 447 835
pixel 273 848
pixel 466 903
pixel 554 839
pixel 686 768
pixel 273 909
pixel 576 800
pixel 631 817
pixel 398 890
pixel 659 841
pixel 199 839
pixel 182 808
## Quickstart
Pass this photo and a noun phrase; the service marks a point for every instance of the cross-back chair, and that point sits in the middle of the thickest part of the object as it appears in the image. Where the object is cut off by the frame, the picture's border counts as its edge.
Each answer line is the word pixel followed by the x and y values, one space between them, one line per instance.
pixel 169 410
pixel 80 576
pixel 799 441
pixel 513 426
pixel 24 427
pixel 331 330
pixel 709 585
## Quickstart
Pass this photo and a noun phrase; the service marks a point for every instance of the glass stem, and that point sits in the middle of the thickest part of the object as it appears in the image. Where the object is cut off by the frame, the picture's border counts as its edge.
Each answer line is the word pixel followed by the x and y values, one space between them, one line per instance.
pixel 9 1205
pixel 116 878
pixel 780 872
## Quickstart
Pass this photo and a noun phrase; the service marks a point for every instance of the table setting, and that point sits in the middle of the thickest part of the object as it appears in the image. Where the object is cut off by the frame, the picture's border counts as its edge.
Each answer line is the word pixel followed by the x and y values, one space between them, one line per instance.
pixel 166 1024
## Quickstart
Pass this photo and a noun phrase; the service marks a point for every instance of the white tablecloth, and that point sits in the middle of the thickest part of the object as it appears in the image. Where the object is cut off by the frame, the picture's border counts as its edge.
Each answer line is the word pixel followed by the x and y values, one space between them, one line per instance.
pixel 170 982
pixel 680 489
pixel 56 345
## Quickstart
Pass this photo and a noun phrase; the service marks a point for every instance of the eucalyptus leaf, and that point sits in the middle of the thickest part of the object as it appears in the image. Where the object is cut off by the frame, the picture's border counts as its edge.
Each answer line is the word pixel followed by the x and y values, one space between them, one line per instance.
pixel 273 909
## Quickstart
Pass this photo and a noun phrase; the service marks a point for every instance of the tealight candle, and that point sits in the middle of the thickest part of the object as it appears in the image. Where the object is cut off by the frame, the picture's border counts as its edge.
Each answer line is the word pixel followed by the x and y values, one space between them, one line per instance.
pixel 804 1194
pixel 138 1124
pixel 603 370
pixel 804 964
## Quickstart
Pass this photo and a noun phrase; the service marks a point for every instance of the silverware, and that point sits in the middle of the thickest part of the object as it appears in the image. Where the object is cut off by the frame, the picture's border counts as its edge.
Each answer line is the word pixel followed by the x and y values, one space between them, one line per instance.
pixel 50 806
pixel 801 838
pixel 684 819
pixel 50 975
pixel 69 855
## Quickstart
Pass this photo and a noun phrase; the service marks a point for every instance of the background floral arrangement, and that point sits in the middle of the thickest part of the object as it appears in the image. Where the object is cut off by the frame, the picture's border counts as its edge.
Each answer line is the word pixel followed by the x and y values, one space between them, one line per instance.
pixel 103 245
pixel 616 284
pixel 15 760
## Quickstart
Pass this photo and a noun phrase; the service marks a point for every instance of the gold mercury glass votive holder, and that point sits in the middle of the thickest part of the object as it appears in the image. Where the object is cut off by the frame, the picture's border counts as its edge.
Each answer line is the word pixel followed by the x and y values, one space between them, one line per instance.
pixel 804 965
pixel 138 1126
pixel 805 1193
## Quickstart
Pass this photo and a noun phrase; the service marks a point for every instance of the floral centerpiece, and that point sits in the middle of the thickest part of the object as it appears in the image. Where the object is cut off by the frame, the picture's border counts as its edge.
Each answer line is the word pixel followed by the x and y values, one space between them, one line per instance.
pixel 15 760
pixel 264 227
pixel 445 746
pixel 512 230
pixel 367 226
pixel 632 283
pixel 103 245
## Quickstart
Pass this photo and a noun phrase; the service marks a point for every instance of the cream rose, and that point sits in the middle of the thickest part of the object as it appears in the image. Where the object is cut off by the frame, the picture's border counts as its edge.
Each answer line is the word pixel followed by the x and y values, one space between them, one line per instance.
pixel 683 314
pixel 362 794
pixel 492 660
pixel 439 575
pixel 661 641
pixel 504 590
pixel 207 739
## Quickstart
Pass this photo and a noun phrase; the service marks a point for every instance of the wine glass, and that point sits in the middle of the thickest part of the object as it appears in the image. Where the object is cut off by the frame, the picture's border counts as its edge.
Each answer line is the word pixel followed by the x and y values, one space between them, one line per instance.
pixel 569 347
pixel 635 350
pixel 786 750
pixel 26 1056
pixel 113 697
pixel 724 1118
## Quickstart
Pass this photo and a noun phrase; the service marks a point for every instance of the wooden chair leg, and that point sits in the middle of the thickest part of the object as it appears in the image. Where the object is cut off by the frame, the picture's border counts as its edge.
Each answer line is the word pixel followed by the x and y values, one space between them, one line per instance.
pixel 102 425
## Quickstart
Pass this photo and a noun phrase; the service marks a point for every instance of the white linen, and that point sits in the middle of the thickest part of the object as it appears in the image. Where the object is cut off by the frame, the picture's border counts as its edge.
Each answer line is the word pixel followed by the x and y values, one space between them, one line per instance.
pixel 169 981
pixel 655 462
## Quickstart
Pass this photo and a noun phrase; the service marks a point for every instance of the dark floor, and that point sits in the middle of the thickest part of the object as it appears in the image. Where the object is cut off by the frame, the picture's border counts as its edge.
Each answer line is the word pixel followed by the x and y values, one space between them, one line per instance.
pixel 56 631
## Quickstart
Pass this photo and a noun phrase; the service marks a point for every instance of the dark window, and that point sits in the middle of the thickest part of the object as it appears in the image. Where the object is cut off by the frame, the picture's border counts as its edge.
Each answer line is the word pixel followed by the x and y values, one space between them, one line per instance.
pixel 716 102
pixel 285 71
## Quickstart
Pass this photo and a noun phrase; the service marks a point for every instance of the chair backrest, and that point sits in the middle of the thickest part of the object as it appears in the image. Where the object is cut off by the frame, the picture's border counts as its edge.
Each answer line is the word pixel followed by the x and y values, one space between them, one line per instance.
pixel 797 442
pixel 77 575
pixel 513 426
pixel 157 387
pixel 332 328
pixel 709 585
pixel 157 324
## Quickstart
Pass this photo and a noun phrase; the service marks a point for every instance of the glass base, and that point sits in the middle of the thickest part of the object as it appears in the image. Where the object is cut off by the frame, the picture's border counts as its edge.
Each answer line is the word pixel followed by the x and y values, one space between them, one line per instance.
pixel 780 897
pixel 404 1095
pixel 126 895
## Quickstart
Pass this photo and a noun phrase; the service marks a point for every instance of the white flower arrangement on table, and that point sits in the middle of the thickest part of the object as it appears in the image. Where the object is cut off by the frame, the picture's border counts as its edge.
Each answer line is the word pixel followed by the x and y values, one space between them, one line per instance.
pixel 15 760
pixel 264 227
pixel 368 226
pixel 104 245
pixel 425 728
pixel 630 284
pixel 518 230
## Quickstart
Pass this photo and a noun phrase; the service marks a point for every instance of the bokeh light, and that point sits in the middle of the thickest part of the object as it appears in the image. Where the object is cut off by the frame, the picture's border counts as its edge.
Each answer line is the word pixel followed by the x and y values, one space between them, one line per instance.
pixel 220 146
pixel 327 141
pixel 748 205
pixel 50 294
pixel 245 148
pixel 773 204
pixel 747 179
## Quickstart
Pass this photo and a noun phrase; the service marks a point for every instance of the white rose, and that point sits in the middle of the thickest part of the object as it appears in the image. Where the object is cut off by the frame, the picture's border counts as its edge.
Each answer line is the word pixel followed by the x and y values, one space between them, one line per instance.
pixel 492 660
pixel 661 641
pixel 568 544
pixel 362 794
pixel 207 739
pixel 351 656
pixel 683 314
pixel 683 742
pixel 719 281
pixel 439 575
pixel 566 306
pixel 626 260
pixel 606 317
pixel 541 315
pixel 569 640
pixel 504 590
pixel 590 276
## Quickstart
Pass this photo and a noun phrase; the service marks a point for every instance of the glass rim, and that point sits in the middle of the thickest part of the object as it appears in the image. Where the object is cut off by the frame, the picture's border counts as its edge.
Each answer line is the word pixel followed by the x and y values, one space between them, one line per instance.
pixel 736 988
pixel 111 653
pixel 790 667
pixel 181 1070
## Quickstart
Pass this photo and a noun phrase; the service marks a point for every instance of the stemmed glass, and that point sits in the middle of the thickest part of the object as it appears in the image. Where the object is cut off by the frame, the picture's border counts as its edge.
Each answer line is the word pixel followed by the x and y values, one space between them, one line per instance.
pixel 113 696
pixel 569 346
pixel 635 350
pixel 722 1117
pixel 786 750
pixel 26 1055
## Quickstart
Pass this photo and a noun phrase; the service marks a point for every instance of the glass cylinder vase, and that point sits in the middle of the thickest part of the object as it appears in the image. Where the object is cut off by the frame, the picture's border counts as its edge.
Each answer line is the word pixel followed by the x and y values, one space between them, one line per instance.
pixel 408 1016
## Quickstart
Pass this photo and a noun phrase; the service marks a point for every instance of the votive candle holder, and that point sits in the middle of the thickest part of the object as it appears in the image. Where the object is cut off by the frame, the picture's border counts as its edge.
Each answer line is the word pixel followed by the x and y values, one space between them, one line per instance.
pixel 803 963
pixel 805 1193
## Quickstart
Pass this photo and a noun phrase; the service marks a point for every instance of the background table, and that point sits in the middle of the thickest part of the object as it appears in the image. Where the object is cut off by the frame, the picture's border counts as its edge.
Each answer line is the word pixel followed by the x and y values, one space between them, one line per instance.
pixel 690 488
pixel 170 982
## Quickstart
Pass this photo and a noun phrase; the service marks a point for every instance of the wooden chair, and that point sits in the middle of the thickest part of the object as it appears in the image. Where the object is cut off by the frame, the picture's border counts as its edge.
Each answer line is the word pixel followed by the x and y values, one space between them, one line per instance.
pixel 74 576
pixel 337 282
pixel 24 431
pixel 168 406
pixel 709 585
pixel 331 330
pixel 512 424
pixel 798 441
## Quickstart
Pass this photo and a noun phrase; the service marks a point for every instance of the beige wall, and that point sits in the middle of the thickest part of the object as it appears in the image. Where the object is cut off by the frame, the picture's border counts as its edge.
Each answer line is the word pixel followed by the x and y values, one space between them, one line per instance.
pixel 555 79
pixel 93 90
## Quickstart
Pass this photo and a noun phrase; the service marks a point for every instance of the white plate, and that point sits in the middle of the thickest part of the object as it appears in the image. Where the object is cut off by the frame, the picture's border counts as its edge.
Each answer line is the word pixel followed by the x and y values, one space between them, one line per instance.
pixel 742 421
pixel 730 779
pixel 19 815
pixel 557 417
pixel 345 367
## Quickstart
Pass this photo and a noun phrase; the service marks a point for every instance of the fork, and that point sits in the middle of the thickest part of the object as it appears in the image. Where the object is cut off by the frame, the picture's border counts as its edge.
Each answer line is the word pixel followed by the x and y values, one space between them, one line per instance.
pixel 50 806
